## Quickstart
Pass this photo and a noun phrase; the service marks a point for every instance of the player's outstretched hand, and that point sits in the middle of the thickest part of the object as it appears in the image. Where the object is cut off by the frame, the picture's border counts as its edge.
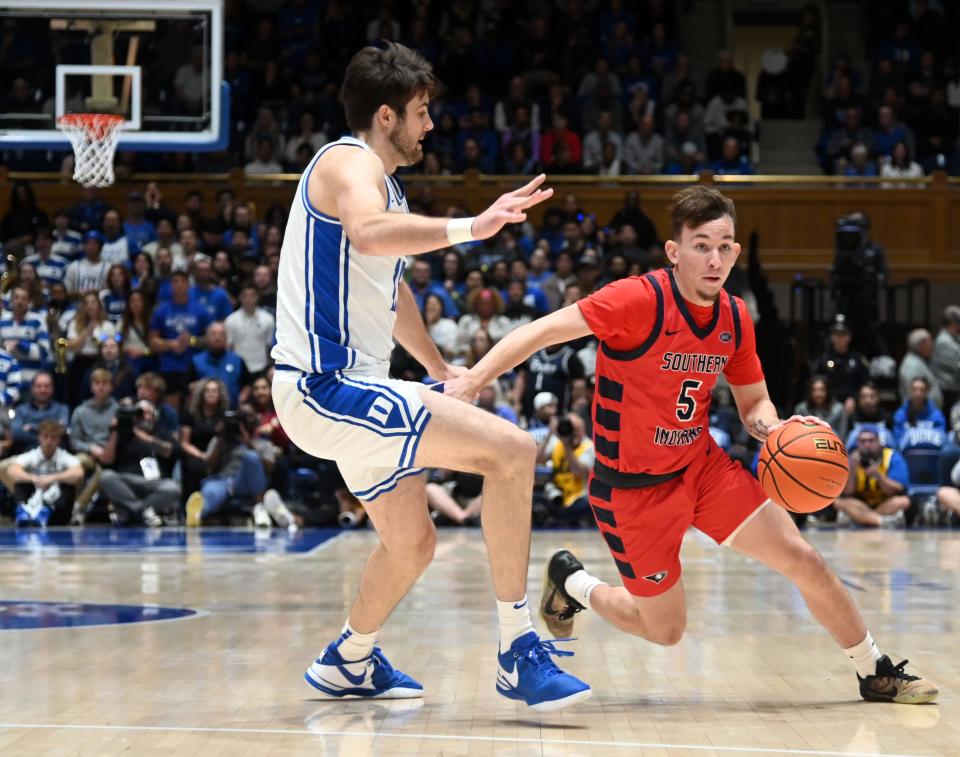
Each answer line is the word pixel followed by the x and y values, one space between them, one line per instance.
pixel 510 208
pixel 802 419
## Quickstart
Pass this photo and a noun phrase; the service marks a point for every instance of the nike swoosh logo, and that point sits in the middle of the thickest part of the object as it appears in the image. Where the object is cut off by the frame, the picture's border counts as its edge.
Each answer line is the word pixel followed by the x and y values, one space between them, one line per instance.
pixel 521 605
pixel 512 678
pixel 671 333
pixel 355 680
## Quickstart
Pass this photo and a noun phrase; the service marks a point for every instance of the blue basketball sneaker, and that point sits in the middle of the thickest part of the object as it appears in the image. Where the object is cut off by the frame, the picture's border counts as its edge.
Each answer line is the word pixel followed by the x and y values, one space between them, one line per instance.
pixel 372 677
pixel 526 672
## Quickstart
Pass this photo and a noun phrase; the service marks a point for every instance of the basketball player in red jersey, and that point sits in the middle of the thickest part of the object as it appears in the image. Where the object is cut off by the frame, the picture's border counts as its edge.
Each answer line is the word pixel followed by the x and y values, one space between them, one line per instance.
pixel 664 339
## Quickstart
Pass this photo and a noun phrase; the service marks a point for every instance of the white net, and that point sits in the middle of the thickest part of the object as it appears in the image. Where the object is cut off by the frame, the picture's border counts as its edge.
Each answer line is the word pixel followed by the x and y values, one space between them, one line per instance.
pixel 94 139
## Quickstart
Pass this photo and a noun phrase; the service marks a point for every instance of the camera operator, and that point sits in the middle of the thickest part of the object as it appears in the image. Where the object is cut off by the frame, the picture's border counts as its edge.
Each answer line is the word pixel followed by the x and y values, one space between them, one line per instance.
pixel 139 457
pixel 235 469
pixel 859 273
pixel 875 494
pixel 572 456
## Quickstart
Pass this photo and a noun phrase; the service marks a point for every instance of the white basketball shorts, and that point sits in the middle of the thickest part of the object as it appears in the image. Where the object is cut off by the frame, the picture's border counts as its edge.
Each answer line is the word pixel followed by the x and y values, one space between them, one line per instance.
pixel 370 425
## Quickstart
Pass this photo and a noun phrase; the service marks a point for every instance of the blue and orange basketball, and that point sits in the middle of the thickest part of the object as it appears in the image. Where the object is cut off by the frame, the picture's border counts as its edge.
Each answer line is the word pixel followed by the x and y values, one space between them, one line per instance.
pixel 803 466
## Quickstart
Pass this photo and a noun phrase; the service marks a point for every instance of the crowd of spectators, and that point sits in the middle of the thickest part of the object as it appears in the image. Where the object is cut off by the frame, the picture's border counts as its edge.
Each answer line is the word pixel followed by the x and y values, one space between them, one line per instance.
pixel 137 341
pixel 588 87
pixel 899 114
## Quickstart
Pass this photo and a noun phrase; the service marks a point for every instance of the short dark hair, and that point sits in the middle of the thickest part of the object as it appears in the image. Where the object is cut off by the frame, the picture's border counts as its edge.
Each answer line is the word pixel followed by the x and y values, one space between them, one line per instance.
pixel 695 206
pixel 390 76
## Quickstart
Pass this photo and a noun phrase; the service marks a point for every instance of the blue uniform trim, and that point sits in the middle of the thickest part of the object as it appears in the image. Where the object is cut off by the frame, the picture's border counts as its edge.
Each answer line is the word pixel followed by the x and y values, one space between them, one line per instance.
pixel 304 195
pixel 345 278
pixel 368 495
pixel 401 400
pixel 308 259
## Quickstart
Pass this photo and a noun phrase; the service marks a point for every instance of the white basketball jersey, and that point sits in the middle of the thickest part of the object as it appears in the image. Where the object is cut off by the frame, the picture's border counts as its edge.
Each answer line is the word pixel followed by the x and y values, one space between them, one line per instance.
pixel 335 306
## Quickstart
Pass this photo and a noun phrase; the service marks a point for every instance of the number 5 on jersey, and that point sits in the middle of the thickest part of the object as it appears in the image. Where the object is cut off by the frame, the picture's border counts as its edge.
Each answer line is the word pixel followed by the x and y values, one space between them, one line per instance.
pixel 687 404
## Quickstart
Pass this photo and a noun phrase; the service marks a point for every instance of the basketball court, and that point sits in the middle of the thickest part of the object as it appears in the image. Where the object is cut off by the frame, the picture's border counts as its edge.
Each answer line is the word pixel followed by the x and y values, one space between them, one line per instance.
pixel 206 654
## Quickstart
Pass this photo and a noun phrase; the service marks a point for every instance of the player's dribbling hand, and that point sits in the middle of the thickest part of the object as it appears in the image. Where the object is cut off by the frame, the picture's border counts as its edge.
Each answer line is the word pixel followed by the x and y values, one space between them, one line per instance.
pixel 509 208
pixel 802 419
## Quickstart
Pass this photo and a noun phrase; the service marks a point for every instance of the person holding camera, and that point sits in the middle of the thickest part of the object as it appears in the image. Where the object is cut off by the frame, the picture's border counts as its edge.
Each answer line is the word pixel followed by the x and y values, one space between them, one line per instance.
pixel 45 479
pixel 571 455
pixel 875 494
pixel 235 469
pixel 139 457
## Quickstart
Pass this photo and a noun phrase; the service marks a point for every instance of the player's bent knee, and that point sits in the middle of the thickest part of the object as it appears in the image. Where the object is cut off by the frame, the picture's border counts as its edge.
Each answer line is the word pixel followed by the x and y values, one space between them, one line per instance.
pixel 667 635
pixel 804 564
pixel 413 549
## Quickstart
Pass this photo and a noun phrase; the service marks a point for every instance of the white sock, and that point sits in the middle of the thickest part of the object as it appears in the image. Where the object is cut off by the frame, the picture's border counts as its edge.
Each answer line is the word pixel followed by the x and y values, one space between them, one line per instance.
pixel 580 585
pixel 514 620
pixel 355 646
pixel 864 656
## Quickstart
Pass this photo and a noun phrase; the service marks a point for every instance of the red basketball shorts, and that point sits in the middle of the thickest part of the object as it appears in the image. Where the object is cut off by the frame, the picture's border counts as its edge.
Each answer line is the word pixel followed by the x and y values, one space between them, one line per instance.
pixel 645 527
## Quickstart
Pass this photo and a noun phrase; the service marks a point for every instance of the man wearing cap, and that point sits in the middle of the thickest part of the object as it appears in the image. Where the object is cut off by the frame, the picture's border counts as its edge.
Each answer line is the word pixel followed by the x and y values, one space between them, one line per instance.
pixel 845 369
pixel 176 330
pixel 89 273
pixel 544 411
pixel 875 494
pixel 136 228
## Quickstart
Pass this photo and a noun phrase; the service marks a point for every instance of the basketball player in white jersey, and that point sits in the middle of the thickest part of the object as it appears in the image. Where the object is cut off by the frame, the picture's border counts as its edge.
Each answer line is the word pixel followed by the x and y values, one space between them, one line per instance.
pixel 342 301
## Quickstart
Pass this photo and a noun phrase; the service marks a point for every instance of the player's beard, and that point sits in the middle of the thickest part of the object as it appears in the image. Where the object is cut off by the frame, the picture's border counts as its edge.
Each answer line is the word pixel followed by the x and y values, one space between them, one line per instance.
pixel 408 149
pixel 707 297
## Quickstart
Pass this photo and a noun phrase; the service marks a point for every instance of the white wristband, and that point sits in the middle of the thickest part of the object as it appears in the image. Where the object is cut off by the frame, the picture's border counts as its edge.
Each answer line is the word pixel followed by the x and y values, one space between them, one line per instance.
pixel 459 230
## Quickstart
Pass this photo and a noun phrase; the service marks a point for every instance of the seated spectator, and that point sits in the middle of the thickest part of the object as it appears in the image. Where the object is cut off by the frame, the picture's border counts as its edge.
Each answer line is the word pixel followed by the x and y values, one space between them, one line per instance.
pixel 555 369
pixel 23 333
pixel 442 330
pixel 138 460
pixel 570 454
pixel 152 388
pixel 889 132
pixel 217 362
pixel 716 117
pixel 731 160
pixel 725 78
pixel 508 106
pixel 90 427
pixel 486 313
pixel 112 359
pixel 89 273
pixel 900 166
pixel 165 237
pixel 262 400
pixel 875 494
pixel 33 410
pixel 559 134
pixel 945 358
pixel 235 471
pixel 681 135
pixel 840 141
pixel 689 162
pixel 918 412
pixel 517 309
pixel 308 135
pixel 10 381
pixel 916 364
pixel 265 161
pixel 137 228
pixel 609 161
pixel 422 284
pixel 198 424
pixel 869 411
pixel 67 243
pixel 948 496
pixel 457 499
pixel 595 140
pixel 643 150
pixel 250 331
pixel 861 164
pixel 23 217
pixel 45 480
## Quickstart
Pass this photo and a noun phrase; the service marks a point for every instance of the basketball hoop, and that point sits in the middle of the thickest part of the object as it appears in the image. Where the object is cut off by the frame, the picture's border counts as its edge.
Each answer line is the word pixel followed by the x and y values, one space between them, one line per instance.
pixel 94 139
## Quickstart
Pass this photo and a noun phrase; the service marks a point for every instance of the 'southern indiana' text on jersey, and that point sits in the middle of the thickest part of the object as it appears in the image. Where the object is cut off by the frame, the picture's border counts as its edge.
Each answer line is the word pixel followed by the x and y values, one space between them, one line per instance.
pixel 658 361
pixel 336 307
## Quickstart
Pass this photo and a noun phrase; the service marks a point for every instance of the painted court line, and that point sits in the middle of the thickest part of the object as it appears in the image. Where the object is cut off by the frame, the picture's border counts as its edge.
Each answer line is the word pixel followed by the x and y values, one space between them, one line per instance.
pixel 452 737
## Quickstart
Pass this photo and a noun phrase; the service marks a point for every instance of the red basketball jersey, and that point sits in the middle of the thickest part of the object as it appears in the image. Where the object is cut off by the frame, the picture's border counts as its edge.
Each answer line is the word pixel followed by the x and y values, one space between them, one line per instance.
pixel 658 361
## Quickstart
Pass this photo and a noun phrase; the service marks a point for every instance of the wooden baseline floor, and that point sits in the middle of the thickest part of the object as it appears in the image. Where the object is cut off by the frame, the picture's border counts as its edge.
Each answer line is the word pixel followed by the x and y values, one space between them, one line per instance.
pixel 755 675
